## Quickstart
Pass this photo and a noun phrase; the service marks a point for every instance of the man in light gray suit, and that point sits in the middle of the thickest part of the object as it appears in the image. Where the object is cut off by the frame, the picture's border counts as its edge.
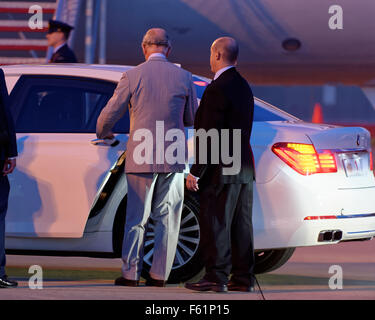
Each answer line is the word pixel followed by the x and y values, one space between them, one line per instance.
pixel 160 97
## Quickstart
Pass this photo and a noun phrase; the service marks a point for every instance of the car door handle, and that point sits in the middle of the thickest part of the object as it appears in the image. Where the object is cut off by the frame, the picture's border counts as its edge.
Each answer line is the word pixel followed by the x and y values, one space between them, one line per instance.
pixel 105 142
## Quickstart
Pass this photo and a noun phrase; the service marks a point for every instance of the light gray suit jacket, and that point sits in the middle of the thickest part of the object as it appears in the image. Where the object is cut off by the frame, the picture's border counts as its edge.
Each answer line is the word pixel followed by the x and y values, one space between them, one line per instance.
pixel 155 90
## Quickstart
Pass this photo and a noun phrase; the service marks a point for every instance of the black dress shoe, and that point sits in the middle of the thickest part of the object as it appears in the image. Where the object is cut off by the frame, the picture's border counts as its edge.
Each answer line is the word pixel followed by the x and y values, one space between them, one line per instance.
pixel 150 282
pixel 6 283
pixel 204 285
pixel 121 281
pixel 235 286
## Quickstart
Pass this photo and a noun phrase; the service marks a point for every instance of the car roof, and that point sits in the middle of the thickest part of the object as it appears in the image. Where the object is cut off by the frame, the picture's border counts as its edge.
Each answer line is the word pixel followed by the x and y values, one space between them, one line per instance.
pixel 65 66
pixel 107 72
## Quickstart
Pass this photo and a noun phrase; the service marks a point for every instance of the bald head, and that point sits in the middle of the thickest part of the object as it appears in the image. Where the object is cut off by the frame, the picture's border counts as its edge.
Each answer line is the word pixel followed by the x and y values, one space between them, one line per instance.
pixel 227 47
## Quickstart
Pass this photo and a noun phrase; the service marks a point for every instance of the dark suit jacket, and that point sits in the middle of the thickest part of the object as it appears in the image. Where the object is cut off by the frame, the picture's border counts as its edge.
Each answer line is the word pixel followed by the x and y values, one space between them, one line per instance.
pixel 63 55
pixel 6 122
pixel 227 103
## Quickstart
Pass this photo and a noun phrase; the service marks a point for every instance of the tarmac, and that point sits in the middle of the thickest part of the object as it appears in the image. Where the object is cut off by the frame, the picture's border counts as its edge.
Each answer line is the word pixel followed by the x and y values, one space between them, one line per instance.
pixel 313 273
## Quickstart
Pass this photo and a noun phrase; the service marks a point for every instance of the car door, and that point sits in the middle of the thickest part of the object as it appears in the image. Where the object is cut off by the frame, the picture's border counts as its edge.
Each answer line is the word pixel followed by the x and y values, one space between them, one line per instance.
pixel 59 169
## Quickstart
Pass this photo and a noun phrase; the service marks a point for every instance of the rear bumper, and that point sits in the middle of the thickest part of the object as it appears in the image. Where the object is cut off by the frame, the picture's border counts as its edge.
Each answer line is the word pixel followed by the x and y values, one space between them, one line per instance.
pixel 281 206
pixel 352 229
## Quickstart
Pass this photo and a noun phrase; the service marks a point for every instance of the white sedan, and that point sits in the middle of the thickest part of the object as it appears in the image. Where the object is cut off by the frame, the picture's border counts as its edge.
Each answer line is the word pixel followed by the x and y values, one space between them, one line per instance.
pixel 314 183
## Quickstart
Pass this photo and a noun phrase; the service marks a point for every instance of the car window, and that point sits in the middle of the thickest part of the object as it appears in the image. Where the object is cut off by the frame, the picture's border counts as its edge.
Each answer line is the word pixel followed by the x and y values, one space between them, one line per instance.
pixel 58 104
pixel 261 114
pixel 262 111
pixel 200 86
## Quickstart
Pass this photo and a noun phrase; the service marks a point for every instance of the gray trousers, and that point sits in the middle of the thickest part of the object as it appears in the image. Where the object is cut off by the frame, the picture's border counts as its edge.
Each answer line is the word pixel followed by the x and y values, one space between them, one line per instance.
pixel 4 193
pixel 161 196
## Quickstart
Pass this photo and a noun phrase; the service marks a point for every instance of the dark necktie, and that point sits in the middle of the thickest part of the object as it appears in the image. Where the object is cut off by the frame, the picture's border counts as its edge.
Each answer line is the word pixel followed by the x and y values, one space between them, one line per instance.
pixel 53 57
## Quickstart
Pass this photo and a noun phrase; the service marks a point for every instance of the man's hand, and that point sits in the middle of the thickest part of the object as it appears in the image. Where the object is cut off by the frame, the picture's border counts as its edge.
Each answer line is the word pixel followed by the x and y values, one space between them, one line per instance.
pixel 109 136
pixel 192 183
pixel 9 166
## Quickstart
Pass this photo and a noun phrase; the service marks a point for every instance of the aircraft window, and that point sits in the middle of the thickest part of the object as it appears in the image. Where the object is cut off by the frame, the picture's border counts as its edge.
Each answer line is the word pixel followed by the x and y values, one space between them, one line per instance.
pixel 61 104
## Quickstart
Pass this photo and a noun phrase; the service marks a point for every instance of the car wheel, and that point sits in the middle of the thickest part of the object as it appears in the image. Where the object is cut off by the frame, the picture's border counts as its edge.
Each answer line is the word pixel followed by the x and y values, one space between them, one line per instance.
pixel 269 260
pixel 187 262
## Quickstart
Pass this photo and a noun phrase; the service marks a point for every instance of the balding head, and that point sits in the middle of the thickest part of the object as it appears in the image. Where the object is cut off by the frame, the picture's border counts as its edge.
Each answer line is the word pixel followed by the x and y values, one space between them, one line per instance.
pixel 156 40
pixel 224 52
pixel 228 47
pixel 157 37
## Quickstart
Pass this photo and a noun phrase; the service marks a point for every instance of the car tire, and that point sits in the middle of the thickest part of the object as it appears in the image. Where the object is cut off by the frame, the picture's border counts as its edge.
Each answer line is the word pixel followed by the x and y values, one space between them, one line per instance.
pixel 265 260
pixel 188 262
pixel 270 260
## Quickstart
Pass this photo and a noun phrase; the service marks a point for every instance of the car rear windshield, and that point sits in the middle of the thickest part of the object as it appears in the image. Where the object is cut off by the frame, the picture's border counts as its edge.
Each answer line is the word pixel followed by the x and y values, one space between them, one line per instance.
pixel 262 111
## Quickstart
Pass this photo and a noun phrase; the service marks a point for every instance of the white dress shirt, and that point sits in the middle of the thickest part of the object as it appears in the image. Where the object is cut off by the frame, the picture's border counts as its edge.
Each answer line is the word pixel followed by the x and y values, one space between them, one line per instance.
pixel 157 54
pixel 219 72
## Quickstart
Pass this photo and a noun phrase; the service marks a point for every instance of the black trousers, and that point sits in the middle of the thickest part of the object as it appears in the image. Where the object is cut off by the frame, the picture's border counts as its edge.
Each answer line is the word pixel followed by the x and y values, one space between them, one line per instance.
pixel 4 193
pixel 227 232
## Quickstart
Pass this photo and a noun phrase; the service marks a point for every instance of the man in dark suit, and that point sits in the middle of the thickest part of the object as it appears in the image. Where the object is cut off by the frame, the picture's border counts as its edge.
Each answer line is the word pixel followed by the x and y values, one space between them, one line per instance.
pixel 57 37
pixel 225 195
pixel 8 153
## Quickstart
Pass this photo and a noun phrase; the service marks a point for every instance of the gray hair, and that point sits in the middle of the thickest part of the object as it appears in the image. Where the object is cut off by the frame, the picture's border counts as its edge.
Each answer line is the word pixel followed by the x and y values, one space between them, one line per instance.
pixel 157 37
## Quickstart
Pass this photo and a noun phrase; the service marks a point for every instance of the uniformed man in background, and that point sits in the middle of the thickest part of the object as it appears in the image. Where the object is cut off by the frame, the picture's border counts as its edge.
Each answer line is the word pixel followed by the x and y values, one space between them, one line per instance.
pixel 57 37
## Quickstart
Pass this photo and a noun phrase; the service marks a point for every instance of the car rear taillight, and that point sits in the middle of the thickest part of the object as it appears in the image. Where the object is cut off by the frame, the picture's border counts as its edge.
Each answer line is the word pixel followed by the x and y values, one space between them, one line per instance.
pixel 304 158
pixel 371 163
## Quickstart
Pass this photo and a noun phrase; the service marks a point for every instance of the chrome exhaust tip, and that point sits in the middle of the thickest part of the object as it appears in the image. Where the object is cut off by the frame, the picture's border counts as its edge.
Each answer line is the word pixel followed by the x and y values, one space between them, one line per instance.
pixel 336 235
pixel 330 235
